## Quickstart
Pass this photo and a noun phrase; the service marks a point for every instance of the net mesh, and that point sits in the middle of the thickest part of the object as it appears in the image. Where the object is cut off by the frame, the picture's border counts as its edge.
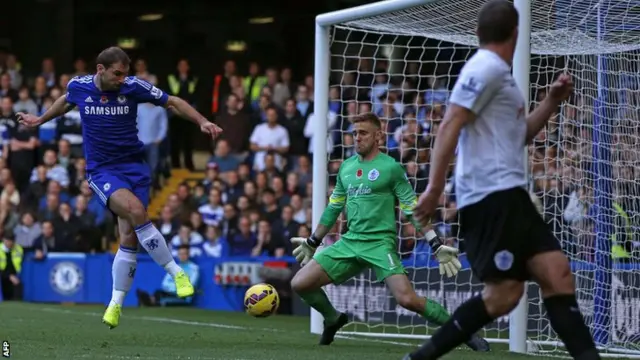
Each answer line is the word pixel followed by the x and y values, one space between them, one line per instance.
pixel 402 66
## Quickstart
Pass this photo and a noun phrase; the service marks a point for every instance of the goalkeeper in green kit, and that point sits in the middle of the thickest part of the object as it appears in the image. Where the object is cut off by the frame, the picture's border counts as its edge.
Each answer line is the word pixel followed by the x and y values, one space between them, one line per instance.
pixel 368 184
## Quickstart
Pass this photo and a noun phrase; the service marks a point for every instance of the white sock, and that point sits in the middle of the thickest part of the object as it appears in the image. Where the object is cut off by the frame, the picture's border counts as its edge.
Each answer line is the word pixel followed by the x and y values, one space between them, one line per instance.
pixel 153 241
pixel 122 272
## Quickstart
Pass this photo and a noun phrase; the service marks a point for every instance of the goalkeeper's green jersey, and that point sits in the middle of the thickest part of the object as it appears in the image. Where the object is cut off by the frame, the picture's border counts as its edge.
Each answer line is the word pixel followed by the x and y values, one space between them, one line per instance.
pixel 369 190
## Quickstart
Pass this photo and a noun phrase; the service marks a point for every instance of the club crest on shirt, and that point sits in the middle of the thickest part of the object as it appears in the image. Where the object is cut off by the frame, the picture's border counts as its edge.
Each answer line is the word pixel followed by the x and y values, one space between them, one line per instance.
pixel 373 175
pixel 122 99
pixel 104 99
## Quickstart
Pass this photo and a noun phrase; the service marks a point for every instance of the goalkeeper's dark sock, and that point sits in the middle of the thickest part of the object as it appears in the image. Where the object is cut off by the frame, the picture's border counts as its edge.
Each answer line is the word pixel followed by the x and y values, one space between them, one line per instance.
pixel 435 313
pixel 465 321
pixel 318 300
pixel 565 317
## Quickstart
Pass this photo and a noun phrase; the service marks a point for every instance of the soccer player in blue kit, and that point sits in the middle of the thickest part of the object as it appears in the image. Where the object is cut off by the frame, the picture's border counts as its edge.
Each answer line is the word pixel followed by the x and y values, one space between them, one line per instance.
pixel 116 170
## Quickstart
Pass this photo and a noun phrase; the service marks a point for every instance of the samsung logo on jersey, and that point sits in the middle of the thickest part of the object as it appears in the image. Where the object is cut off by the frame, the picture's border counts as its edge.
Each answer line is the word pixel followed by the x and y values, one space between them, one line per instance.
pixel 106 110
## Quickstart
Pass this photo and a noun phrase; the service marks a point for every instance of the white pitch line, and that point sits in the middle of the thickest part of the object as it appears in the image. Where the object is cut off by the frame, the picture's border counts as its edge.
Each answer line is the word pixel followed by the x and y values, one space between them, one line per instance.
pixel 215 325
pixel 354 338
pixel 124 357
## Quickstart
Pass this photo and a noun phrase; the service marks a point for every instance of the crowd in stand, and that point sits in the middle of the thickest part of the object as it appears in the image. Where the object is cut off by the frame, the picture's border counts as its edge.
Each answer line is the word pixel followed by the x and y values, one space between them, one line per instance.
pixel 258 184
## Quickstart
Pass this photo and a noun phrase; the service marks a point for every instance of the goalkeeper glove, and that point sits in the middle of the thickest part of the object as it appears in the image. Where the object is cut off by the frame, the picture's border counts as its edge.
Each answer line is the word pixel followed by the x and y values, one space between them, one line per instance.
pixel 305 249
pixel 447 256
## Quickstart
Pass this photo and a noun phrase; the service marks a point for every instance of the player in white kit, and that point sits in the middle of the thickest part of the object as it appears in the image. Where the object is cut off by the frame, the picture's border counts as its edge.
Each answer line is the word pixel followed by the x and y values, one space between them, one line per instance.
pixel 507 240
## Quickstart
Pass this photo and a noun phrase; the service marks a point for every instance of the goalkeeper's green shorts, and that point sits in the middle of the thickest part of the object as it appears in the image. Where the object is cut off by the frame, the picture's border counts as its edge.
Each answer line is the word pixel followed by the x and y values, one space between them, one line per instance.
pixel 348 258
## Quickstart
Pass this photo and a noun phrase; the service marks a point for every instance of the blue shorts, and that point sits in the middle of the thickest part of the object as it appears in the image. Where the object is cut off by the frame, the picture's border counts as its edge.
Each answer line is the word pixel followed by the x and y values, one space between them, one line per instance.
pixel 135 177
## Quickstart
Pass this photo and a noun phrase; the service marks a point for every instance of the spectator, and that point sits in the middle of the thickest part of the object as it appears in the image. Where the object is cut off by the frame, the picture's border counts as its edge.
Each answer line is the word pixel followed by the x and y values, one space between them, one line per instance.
pixel 152 130
pixel 55 172
pixel 143 73
pixel 286 227
pixel 223 87
pixel 23 148
pixel 212 213
pixel 66 158
pixel 68 227
pixel 270 208
pixel 167 295
pixel 295 125
pixel 233 118
pixel 40 92
pixel 243 241
pixel 48 72
pixel 269 137
pixel 195 220
pixel 167 224
pixel 8 122
pixel 284 89
pixel 46 242
pixel 69 127
pixel 13 69
pixel 25 103
pixel 187 236
pixel 304 104
pixel 223 158
pixel 11 256
pixel 311 134
pixel 184 85
pixel 214 246
pixel 5 88
pixel 254 82
pixel 229 224
pixel 27 232
pixel 268 243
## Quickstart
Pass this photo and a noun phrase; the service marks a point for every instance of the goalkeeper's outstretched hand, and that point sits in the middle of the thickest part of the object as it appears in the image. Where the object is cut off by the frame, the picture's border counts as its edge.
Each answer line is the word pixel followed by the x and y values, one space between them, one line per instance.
pixel 447 256
pixel 304 249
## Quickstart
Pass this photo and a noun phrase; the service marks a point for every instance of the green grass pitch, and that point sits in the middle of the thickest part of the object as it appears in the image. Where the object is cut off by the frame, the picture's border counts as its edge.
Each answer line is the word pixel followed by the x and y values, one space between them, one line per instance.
pixel 43 331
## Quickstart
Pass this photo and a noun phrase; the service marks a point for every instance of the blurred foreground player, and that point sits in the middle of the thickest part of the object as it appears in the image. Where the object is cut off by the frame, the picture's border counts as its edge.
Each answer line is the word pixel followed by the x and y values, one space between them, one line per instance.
pixel 116 170
pixel 368 184
pixel 507 240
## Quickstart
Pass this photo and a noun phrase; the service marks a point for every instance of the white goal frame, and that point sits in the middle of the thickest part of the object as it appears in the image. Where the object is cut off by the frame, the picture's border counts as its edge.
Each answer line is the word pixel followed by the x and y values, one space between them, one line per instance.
pixel 521 67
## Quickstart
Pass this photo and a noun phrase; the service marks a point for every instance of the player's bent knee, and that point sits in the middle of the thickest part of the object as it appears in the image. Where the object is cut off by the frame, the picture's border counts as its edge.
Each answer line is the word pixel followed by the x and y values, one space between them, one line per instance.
pixel 500 298
pixel 311 277
pixel 410 302
pixel 127 206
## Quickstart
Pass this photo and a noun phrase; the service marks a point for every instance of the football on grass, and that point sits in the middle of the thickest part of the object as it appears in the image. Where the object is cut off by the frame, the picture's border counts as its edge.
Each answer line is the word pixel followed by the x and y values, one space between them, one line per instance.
pixel 261 300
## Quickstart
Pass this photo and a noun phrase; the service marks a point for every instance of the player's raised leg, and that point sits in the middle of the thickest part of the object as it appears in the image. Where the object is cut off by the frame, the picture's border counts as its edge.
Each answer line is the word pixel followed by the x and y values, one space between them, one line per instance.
pixel 126 205
pixel 405 296
pixel 552 272
pixel 308 283
pixel 122 272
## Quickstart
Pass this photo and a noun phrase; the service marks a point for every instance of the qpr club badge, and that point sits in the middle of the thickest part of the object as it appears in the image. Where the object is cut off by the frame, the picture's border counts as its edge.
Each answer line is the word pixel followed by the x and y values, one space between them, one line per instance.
pixel 373 175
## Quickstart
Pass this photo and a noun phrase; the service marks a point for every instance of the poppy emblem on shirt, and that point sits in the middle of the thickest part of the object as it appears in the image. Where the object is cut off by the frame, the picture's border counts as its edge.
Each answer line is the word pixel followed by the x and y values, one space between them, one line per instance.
pixel 359 173
pixel 104 99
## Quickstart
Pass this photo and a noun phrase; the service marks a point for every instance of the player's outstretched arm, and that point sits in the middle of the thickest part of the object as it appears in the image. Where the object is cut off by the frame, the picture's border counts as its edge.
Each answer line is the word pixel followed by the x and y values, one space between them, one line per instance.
pixel 447 256
pixel 455 118
pixel 186 111
pixel 306 247
pixel 59 107
pixel 559 91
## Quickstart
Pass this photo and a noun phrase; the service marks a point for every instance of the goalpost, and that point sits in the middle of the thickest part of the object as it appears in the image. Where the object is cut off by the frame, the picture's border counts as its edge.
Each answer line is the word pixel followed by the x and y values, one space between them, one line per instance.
pixel 582 167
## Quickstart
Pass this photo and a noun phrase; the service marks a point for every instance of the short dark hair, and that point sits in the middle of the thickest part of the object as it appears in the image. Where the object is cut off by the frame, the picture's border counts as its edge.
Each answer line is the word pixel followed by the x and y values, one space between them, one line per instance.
pixel 496 21
pixel 112 55
pixel 183 247
pixel 368 117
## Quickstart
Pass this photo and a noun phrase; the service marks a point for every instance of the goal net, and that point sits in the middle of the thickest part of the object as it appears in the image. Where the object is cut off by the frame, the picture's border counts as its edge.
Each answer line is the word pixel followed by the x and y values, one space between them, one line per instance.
pixel 582 167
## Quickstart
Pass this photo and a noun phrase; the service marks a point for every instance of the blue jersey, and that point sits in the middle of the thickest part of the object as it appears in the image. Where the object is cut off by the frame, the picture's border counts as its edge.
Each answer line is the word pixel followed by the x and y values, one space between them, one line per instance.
pixel 109 126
